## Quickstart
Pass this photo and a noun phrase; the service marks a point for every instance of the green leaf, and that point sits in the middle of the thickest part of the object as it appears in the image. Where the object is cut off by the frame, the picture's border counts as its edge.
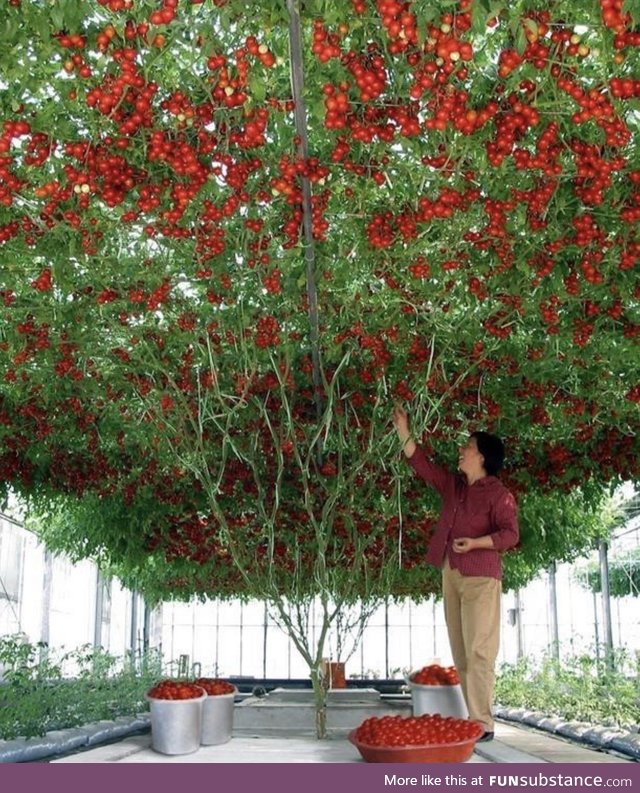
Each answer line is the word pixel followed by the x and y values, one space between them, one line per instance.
pixel 515 24
pixel 521 40
pixel 479 16
pixel 257 88
pixel 429 13
pixel 57 17
pixel 631 7
pixel 10 25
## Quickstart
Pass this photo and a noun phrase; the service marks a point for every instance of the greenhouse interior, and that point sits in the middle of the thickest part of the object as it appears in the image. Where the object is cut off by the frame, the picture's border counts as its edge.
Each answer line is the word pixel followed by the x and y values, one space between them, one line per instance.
pixel 319 394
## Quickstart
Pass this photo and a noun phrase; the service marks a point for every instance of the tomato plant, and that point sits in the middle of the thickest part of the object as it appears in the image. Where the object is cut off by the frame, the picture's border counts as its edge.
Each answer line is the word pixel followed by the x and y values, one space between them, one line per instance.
pixel 214 285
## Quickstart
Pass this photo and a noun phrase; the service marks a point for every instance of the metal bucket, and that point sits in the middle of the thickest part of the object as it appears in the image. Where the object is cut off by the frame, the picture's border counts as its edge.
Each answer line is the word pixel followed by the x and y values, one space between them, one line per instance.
pixel 333 673
pixel 176 724
pixel 445 700
pixel 217 718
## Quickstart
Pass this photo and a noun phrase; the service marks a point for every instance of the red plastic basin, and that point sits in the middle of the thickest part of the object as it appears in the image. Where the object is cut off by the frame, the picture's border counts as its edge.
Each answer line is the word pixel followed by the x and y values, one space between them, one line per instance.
pixel 426 753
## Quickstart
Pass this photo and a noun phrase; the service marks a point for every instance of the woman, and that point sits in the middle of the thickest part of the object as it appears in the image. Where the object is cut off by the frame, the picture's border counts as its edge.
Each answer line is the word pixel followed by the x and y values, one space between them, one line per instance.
pixel 477 523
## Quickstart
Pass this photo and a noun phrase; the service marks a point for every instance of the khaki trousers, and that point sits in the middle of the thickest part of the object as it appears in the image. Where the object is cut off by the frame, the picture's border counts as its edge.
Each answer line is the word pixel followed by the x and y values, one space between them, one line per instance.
pixel 472 614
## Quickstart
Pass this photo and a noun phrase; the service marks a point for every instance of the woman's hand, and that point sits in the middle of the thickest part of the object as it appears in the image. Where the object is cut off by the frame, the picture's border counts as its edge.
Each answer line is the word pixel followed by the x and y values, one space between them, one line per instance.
pixel 463 545
pixel 466 544
pixel 401 423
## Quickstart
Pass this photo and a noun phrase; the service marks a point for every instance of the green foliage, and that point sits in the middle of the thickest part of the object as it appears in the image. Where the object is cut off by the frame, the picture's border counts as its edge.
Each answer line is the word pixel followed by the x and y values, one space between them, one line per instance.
pixel 557 528
pixel 41 693
pixel 198 396
pixel 624 575
pixel 587 688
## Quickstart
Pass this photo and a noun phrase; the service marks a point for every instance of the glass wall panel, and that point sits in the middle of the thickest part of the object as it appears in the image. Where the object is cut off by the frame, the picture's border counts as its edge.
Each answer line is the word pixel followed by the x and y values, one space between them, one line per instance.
pixel 229 650
pixel 281 655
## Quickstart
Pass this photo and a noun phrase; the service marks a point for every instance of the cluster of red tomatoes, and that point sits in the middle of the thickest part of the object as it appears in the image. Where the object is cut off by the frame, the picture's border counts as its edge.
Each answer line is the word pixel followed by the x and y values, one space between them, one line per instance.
pixel 181 689
pixel 436 675
pixel 267 332
pixel 416 730
pixel 175 689
pixel 214 686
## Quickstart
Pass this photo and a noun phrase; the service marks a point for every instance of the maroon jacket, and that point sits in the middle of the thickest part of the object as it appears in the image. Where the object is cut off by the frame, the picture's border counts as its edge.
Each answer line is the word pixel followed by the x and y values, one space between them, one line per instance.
pixel 485 507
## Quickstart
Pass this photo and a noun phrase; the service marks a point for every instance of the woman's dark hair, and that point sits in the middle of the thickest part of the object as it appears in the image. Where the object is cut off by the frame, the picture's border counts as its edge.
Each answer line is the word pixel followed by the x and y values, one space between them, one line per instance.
pixel 492 449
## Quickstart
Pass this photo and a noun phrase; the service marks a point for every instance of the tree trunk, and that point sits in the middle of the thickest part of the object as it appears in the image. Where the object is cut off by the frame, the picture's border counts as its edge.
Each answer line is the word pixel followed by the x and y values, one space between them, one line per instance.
pixel 320 702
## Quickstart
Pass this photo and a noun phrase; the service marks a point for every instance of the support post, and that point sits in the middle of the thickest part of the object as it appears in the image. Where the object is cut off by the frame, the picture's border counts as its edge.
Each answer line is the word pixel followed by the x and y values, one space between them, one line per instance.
pixel 553 612
pixel 300 119
pixel 606 602
pixel 47 580
pixel 99 610
pixel 518 610
pixel 133 628
pixel 386 639
pixel 264 641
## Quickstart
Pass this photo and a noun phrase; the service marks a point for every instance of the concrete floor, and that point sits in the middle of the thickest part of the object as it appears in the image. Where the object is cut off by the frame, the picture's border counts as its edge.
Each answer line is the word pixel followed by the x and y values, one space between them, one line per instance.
pixel 279 728
pixel 511 745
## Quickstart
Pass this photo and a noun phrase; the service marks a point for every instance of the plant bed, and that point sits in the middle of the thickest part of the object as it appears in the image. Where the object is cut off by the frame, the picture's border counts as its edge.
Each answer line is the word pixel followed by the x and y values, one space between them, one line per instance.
pixel 73 739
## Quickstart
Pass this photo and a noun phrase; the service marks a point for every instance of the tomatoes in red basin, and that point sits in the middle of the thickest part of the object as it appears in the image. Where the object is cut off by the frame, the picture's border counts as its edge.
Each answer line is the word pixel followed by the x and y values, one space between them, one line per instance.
pixel 424 730
pixel 175 689
pixel 436 675
pixel 214 687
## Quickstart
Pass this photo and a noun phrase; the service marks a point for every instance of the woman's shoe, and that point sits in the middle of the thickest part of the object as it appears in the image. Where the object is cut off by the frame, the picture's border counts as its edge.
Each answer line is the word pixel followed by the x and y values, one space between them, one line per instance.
pixel 486 736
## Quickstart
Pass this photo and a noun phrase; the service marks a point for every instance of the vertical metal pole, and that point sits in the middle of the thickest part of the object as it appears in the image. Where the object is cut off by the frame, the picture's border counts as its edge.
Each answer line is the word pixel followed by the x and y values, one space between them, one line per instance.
pixel 553 612
pixel 98 613
pixel 47 581
pixel 22 600
pixel 606 601
pixel 386 639
pixel 133 628
pixel 596 632
pixel 433 627
pixel 241 632
pixel 300 118
pixel 107 602
pixel 264 642
pixel 173 632
pixel 571 626
pixel 410 638
pixel 518 605
pixel 193 634
pixel 217 661
pixel 146 628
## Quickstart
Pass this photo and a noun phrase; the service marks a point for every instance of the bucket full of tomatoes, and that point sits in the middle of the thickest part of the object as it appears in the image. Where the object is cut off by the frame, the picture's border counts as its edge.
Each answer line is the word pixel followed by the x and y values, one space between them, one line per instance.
pixel 176 716
pixel 437 689
pixel 217 710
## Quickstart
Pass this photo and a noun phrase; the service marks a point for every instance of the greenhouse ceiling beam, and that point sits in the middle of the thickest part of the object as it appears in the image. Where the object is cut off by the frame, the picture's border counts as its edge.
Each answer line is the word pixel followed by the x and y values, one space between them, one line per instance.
pixel 300 116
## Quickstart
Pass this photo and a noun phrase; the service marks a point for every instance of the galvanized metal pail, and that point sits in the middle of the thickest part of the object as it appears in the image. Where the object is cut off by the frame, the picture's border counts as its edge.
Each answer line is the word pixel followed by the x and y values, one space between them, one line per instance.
pixel 176 724
pixel 445 700
pixel 217 718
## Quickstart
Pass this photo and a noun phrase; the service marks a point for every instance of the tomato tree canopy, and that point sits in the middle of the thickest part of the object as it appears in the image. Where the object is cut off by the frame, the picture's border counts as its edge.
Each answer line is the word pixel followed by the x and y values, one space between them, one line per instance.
pixel 216 279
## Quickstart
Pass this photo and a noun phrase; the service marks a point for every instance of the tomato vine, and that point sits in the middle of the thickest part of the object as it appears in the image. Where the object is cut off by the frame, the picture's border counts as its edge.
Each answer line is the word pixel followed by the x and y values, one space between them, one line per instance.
pixel 474 179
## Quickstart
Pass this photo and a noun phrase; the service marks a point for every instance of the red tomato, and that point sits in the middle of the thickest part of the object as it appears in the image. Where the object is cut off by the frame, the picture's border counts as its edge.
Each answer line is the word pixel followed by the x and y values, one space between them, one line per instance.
pixel 214 687
pixel 416 730
pixel 436 675
pixel 175 689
